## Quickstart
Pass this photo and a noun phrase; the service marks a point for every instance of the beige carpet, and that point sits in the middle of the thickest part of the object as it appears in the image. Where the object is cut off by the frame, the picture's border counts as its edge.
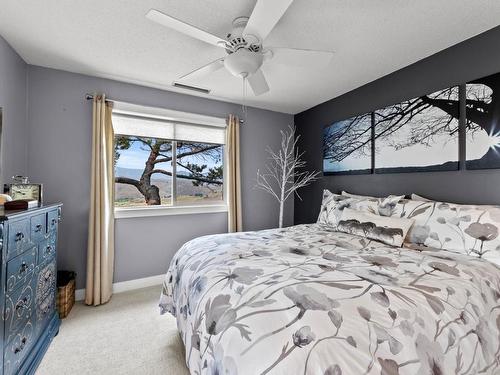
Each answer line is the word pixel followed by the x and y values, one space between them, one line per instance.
pixel 125 336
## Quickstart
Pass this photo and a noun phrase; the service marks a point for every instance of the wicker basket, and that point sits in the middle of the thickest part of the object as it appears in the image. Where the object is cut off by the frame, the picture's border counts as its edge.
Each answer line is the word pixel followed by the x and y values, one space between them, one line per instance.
pixel 66 296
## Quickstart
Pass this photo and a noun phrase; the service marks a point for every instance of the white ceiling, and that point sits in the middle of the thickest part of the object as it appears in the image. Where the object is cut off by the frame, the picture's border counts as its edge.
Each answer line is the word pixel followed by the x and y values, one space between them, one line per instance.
pixel 113 39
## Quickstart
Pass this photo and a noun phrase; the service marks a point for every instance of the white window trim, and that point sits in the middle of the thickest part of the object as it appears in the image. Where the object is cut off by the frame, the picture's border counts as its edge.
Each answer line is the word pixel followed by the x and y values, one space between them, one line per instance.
pixel 177 116
pixel 151 211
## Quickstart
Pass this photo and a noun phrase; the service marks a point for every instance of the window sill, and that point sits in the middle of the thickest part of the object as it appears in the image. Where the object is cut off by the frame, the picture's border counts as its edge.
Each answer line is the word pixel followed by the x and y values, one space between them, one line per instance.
pixel 125 213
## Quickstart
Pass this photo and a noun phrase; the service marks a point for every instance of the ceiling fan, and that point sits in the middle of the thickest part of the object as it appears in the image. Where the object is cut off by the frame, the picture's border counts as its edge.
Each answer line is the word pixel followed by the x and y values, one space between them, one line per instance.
pixel 244 45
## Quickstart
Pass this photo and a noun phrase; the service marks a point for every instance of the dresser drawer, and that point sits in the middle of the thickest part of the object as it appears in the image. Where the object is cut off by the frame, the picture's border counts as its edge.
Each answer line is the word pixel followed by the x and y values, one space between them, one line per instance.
pixel 19 237
pixel 45 282
pixel 38 227
pixel 20 268
pixel 52 220
pixel 44 312
pixel 19 309
pixel 47 248
pixel 18 348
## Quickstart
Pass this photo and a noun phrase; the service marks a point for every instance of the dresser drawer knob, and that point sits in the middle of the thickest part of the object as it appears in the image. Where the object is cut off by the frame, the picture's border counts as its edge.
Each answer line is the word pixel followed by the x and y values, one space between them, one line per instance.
pixel 53 222
pixel 21 347
pixel 48 250
pixel 48 276
pixel 38 227
pixel 21 304
pixel 24 267
pixel 19 236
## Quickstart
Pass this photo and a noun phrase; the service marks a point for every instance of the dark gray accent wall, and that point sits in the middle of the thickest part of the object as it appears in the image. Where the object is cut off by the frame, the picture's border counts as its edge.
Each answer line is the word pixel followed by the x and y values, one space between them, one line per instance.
pixel 59 152
pixel 13 71
pixel 471 59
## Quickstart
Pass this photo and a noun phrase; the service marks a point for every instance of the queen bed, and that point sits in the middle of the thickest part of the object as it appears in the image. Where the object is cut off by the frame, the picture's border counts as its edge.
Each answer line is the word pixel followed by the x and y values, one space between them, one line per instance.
pixel 309 299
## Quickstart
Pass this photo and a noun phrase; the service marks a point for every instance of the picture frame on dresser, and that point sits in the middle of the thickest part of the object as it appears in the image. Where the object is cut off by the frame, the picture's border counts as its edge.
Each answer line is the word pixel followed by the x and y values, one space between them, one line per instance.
pixel 28 243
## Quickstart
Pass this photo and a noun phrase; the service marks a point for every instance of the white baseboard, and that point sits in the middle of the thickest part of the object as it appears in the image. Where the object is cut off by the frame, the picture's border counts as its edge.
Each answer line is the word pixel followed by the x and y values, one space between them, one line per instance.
pixel 125 286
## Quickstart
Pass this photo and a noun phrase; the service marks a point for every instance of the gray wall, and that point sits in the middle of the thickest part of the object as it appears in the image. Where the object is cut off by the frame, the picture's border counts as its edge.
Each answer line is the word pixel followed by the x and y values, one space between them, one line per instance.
pixel 13 71
pixel 471 59
pixel 59 121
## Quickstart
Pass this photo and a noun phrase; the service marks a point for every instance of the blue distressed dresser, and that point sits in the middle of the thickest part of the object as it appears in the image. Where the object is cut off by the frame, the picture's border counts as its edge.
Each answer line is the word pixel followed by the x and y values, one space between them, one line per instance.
pixel 28 242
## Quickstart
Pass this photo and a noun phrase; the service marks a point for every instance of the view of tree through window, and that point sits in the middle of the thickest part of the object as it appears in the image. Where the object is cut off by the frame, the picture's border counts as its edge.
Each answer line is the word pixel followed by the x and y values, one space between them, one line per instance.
pixel 144 171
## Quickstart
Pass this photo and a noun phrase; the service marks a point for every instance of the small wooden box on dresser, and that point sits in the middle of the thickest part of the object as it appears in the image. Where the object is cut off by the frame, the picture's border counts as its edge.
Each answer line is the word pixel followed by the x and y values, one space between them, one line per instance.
pixel 28 289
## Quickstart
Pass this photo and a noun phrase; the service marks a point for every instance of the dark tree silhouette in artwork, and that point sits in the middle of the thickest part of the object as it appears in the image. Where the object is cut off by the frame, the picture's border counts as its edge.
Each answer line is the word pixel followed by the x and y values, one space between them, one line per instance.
pixel 353 136
pixel 160 151
pixel 426 124
pixel 482 112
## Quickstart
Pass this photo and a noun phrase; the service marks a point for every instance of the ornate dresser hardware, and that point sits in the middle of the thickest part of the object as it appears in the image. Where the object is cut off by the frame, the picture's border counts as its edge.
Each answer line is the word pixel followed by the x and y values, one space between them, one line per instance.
pixel 28 244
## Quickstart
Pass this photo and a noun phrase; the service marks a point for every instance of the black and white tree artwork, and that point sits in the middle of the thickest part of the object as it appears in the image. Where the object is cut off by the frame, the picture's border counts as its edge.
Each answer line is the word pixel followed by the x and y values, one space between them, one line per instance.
pixel 483 123
pixel 347 146
pixel 418 135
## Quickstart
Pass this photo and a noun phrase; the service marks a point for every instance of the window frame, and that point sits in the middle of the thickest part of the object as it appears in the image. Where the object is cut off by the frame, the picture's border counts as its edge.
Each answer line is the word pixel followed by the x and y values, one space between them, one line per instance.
pixel 173 209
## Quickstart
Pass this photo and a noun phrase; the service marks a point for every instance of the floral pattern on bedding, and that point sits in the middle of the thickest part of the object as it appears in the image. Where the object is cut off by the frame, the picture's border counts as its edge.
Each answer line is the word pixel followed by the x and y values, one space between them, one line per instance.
pixel 308 300
pixel 468 229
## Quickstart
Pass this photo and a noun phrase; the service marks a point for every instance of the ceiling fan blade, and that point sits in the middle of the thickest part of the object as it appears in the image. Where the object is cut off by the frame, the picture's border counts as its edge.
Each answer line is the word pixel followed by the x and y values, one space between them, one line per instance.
pixel 264 17
pixel 204 70
pixel 183 27
pixel 258 83
pixel 301 57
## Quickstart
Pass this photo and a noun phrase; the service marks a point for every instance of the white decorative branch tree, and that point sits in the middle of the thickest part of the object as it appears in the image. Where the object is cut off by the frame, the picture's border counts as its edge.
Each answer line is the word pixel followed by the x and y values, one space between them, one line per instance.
pixel 284 173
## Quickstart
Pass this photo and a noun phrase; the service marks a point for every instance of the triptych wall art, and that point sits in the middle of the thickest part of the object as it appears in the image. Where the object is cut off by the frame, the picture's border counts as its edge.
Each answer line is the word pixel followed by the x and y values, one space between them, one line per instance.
pixel 420 134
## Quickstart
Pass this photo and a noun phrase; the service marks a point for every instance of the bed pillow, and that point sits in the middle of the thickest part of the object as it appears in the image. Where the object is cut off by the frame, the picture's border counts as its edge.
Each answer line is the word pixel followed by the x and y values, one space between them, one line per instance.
pixel 417 197
pixel 347 194
pixel 389 230
pixel 333 205
pixel 467 229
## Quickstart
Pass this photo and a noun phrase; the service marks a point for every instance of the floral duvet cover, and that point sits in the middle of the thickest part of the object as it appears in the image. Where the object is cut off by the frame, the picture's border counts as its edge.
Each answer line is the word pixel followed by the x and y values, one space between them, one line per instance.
pixel 308 300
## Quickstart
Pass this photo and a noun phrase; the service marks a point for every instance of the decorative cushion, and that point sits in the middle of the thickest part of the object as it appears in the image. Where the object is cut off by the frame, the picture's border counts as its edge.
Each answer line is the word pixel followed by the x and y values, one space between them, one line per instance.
pixel 389 230
pixel 467 229
pixel 333 205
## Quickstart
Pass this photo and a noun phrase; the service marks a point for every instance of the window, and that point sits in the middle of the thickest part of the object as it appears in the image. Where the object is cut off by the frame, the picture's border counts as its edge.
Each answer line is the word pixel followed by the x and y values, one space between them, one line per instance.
pixel 163 163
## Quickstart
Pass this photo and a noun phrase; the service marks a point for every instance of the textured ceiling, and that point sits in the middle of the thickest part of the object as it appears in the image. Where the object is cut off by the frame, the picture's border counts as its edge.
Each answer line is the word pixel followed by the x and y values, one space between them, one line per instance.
pixel 113 39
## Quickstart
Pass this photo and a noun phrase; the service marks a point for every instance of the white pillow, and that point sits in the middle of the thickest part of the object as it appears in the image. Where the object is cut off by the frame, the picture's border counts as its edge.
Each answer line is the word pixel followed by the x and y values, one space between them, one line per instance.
pixel 347 194
pixel 467 229
pixel 389 230
pixel 417 197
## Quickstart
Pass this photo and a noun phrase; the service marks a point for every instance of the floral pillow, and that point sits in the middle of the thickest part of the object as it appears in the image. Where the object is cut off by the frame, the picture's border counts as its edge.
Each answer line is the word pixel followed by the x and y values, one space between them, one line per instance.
pixel 468 229
pixel 389 230
pixel 333 205
pixel 417 197
pixel 347 194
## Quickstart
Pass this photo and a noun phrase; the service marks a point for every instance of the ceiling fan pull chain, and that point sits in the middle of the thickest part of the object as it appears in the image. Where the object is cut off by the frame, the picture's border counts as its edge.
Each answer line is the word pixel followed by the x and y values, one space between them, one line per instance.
pixel 243 106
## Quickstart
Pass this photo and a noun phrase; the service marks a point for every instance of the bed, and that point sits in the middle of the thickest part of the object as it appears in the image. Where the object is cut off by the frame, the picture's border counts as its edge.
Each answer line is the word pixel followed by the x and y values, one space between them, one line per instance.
pixel 310 300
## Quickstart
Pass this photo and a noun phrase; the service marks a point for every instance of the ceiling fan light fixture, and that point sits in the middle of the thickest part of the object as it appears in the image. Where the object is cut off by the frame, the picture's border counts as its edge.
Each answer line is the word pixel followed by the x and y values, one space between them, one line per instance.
pixel 243 62
pixel 244 46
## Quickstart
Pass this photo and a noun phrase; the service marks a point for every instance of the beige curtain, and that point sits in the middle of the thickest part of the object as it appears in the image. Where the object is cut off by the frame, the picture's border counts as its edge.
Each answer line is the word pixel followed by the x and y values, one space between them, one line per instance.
pixel 233 180
pixel 100 250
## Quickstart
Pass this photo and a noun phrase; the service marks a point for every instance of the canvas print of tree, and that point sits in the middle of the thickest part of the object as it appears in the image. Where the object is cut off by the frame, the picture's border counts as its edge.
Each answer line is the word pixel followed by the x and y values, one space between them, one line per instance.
pixel 483 123
pixel 418 135
pixel 347 146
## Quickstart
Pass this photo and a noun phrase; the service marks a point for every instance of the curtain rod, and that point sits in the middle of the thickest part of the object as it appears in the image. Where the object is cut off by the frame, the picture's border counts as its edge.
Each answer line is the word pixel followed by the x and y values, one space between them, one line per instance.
pixel 91 97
